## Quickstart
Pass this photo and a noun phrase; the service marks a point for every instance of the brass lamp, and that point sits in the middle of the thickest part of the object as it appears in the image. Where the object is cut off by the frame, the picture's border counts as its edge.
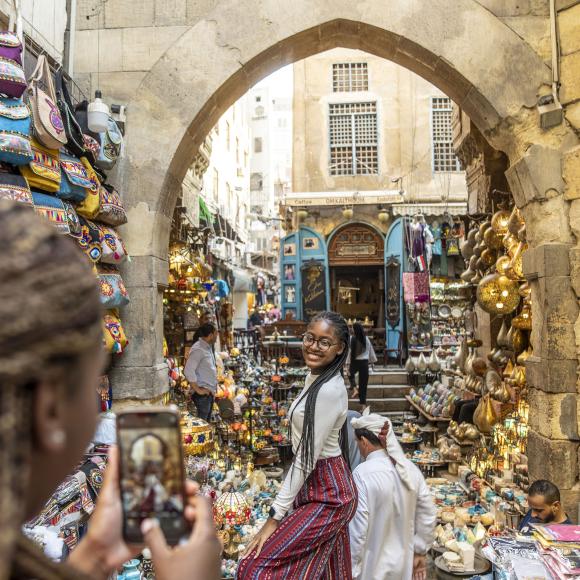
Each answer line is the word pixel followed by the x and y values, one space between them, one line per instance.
pixel 499 222
pixel 497 294
pixel 502 265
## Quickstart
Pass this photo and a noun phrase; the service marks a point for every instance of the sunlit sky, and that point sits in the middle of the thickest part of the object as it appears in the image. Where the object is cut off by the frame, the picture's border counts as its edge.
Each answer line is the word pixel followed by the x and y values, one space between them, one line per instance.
pixel 281 82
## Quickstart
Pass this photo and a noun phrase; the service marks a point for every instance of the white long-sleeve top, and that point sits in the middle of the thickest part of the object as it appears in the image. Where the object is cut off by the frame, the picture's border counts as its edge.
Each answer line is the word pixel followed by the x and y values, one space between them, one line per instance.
pixel 329 417
pixel 391 522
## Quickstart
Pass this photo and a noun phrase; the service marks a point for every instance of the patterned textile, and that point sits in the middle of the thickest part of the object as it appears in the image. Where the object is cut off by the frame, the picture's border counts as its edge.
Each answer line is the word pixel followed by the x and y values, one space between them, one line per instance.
pixel 52 209
pixel 416 287
pixel 312 542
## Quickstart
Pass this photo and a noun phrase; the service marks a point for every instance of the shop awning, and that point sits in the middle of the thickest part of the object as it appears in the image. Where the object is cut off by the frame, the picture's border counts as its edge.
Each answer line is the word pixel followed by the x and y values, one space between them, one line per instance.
pixel 204 212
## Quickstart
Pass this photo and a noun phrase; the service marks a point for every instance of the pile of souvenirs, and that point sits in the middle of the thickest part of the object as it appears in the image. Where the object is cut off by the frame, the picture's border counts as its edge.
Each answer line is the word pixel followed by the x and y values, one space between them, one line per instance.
pixel 53 158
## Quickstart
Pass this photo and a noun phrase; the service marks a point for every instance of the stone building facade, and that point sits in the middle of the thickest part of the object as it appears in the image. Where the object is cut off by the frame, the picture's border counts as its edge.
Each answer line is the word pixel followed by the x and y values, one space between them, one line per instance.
pixel 179 65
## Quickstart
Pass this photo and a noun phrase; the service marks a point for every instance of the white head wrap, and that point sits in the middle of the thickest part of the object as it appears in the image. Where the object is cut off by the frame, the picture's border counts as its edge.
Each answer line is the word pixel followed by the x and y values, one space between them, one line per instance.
pixel 374 423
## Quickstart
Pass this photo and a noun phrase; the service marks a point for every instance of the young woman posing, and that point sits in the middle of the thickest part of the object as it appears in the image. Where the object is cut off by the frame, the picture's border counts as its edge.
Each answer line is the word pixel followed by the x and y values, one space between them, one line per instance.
pixel 361 354
pixel 312 541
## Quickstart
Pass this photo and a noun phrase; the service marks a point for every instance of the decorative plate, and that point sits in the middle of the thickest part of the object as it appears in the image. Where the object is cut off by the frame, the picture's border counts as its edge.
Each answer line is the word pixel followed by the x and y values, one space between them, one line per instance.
pixel 444 311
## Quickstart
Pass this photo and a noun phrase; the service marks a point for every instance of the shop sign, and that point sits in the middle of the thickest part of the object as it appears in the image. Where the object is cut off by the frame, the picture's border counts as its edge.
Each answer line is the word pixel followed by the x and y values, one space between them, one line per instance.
pixel 313 289
pixel 350 250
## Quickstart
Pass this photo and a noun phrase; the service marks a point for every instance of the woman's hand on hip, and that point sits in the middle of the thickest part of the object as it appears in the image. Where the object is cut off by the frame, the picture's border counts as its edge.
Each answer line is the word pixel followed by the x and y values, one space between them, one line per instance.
pixel 260 538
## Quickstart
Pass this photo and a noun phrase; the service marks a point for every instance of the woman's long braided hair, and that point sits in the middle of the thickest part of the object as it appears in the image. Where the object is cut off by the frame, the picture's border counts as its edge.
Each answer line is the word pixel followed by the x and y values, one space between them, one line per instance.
pixel 50 318
pixel 306 445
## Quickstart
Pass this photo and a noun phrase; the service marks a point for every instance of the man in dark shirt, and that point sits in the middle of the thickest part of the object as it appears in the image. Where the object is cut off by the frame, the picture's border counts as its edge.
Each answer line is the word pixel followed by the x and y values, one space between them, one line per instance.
pixel 545 506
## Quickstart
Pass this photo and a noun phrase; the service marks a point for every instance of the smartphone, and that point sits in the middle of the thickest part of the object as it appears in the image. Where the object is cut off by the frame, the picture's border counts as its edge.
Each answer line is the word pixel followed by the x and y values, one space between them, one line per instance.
pixel 151 472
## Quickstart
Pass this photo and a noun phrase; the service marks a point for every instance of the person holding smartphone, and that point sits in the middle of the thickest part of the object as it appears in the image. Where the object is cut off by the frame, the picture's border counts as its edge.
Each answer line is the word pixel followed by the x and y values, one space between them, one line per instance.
pixel 51 356
pixel 306 535
pixel 201 370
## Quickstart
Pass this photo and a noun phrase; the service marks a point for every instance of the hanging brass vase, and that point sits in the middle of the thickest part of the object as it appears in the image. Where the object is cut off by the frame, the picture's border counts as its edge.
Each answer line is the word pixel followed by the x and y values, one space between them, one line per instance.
pixel 523 320
pixel 516 340
pixel 498 294
pixel 499 221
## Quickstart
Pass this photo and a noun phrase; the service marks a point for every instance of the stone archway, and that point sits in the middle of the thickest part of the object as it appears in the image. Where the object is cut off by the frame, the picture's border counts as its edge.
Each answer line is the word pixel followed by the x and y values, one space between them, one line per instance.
pixel 461 47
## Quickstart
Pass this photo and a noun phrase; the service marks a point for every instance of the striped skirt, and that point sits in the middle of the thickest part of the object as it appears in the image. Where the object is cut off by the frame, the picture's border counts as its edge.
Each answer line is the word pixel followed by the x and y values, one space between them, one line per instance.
pixel 312 542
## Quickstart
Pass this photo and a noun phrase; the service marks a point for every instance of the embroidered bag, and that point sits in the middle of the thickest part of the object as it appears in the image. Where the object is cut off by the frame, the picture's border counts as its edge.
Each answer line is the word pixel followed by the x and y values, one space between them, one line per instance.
pixel 74 221
pixel 52 209
pixel 114 337
pixel 48 125
pixel 12 78
pixel 113 291
pixel 43 172
pixel 14 132
pixel 114 251
pixel 92 148
pixel 74 134
pixel 111 210
pixel 10 46
pixel 90 240
pixel 15 188
pixel 75 182
pixel 111 142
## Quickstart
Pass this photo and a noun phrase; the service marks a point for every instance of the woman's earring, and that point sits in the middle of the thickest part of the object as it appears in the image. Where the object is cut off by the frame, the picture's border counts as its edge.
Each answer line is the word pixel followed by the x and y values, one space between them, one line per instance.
pixel 58 437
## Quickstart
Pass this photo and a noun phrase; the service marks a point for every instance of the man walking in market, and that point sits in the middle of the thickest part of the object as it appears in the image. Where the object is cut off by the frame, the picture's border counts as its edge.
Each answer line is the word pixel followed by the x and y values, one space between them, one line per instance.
pixel 201 370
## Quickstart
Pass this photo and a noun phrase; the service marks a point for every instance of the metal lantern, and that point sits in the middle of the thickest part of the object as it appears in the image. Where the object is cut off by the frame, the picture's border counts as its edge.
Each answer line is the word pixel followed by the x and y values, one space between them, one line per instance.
pixel 497 294
pixel 197 435
pixel 488 258
pixel 523 320
pixel 347 213
pixel 301 214
pixel 383 216
pixel 499 222
pixel 232 508
pixel 502 265
pixel 492 239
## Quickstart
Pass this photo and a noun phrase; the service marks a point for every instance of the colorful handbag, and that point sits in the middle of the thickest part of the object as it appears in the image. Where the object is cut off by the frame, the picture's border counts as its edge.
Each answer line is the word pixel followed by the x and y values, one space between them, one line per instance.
pixel 15 188
pixel 114 337
pixel 113 291
pixel 114 251
pixel 43 172
pixel 48 125
pixel 75 182
pixel 74 133
pixel 52 209
pixel 111 210
pixel 111 142
pixel 15 132
pixel 12 78
pixel 90 240
pixel 74 221
pixel 10 46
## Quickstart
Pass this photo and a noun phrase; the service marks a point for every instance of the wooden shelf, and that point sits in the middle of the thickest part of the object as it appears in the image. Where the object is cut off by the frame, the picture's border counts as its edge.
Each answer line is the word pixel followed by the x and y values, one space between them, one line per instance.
pixel 425 414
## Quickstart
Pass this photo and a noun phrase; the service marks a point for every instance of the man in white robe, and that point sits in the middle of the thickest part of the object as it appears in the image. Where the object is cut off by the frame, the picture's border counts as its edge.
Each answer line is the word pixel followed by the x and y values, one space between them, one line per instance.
pixel 394 524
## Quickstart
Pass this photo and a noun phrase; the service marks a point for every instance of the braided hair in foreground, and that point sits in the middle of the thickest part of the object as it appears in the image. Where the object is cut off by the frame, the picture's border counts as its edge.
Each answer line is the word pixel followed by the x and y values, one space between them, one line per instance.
pixel 306 445
pixel 51 317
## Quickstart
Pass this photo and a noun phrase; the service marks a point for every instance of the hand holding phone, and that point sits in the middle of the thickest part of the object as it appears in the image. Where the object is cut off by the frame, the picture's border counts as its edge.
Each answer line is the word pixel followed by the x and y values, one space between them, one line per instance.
pixel 152 474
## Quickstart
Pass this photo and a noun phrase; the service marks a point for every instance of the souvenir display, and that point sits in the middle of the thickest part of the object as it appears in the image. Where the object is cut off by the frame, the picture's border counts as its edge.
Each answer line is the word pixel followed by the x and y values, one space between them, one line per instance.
pixel 15 188
pixel 43 172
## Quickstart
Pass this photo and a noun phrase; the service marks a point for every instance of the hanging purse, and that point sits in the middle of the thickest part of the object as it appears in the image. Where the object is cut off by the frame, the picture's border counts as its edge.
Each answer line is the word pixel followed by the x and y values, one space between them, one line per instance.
pixel 111 142
pixel 111 211
pixel 12 78
pixel 114 251
pixel 43 172
pixel 114 337
pixel 75 182
pixel 48 125
pixel 73 219
pixel 74 134
pixel 15 145
pixel 10 46
pixel 91 205
pixel 52 209
pixel 90 240
pixel 113 291
pixel 15 188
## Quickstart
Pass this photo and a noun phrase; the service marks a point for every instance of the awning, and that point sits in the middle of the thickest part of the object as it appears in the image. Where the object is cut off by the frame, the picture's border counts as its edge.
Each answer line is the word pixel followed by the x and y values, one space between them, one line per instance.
pixel 204 212
pixel 411 209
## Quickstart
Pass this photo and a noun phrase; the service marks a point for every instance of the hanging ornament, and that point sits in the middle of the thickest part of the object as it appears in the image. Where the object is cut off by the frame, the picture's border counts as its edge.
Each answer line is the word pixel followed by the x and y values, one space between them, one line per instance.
pixel 492 239
pixel 523 320
pixel 502 335
pixel 383 216
pixel 422 364
pixel 348 213
pixel 434 363
pixel 472 235
pixel 461 355
pixel 515 222
pixel 502 265
pixel 498 294
pixel 410 366
pixel 499 221
pixel 516 340
pixel 517 262
pixel 301 214
pixel 483 228
pixel 488 258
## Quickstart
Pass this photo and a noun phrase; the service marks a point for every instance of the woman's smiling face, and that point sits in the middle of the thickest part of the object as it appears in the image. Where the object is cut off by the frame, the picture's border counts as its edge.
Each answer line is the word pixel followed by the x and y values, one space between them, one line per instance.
pixel 320 345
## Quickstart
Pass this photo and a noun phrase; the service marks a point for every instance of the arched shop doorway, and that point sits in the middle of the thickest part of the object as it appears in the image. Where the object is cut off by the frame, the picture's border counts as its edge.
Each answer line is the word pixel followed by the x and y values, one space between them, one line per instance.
pixel 496 81
pixel 357 272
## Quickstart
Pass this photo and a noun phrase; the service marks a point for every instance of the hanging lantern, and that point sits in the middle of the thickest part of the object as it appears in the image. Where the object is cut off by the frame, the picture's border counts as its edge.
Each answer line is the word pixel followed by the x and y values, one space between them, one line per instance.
pixel 523 320
pixel 525 291
pixel 232 509
pixel 302 214
pixel 492 239
pixel 517 262
pixel 483 228
pixel 98 114
pixel 499 222
pixel 197 435
pixel 498 294
pixel 383 216
pixel 516 222
pixel 488 258
pixel 502 265
pixel 347 213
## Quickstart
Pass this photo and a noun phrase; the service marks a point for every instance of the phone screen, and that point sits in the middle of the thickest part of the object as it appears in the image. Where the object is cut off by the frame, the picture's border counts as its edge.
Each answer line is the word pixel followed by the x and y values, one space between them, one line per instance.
pixel 152 479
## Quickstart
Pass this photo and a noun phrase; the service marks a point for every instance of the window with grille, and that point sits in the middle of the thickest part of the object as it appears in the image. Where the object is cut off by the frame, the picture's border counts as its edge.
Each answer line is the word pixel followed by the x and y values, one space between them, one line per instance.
pixel 353 139
pixel 444 158
pixel 350 77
